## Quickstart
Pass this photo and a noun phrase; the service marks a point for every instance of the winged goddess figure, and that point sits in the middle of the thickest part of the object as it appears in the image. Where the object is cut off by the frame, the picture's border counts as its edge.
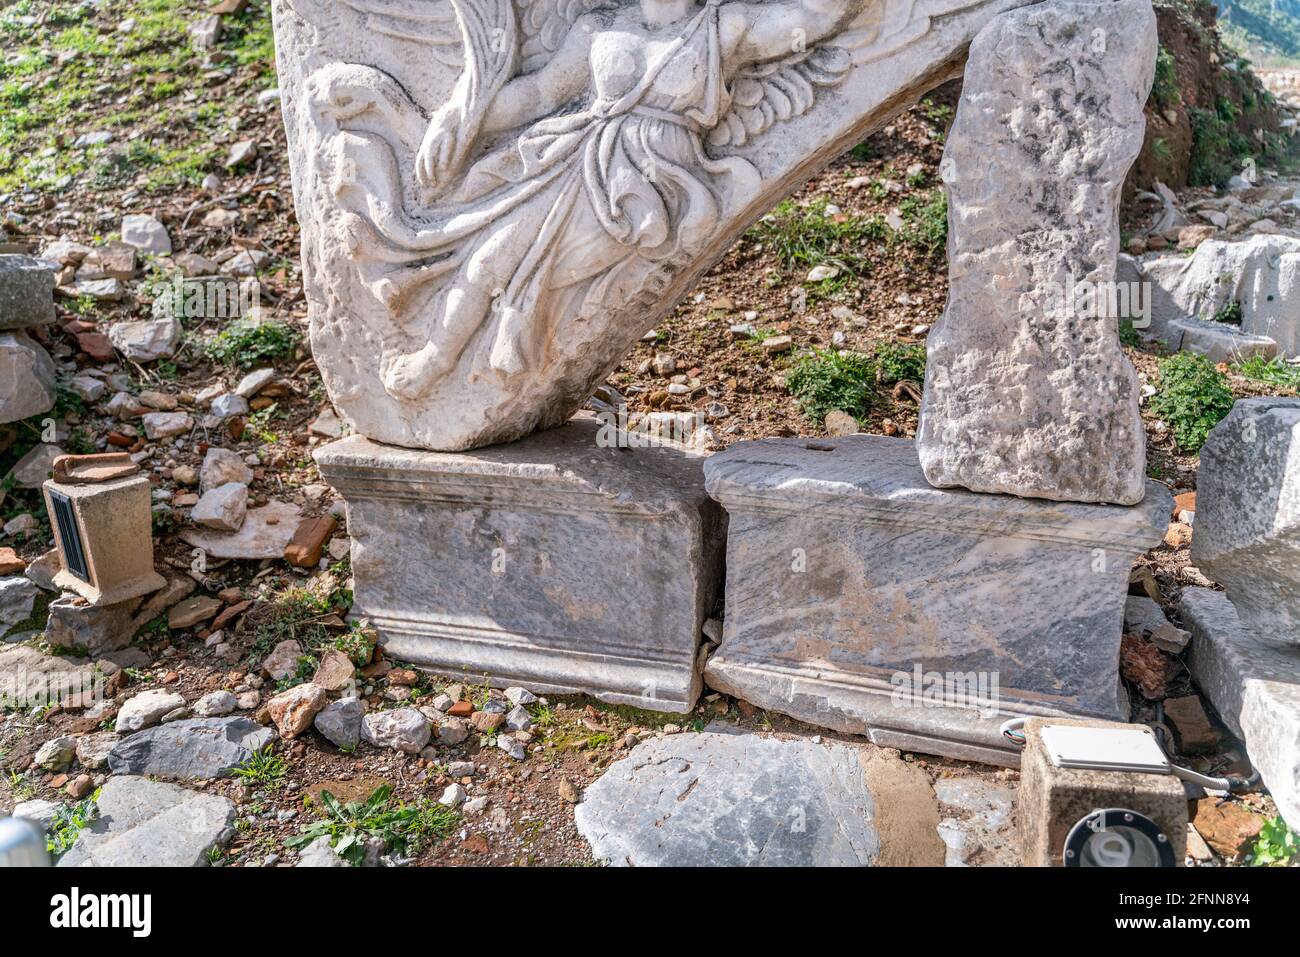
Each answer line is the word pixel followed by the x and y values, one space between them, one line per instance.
pixel 586 144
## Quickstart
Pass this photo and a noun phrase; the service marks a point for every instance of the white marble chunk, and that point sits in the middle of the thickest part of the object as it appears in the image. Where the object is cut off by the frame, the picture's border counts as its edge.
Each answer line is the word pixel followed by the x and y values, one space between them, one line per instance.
pixel 1027 390
pixel 499 198
pixel 1248 513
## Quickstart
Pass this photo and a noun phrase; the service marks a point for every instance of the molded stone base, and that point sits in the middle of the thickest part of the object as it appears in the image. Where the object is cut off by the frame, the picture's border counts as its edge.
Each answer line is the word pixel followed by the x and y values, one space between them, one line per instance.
pixel 1254 683
pixel 550 562
pixel 862 599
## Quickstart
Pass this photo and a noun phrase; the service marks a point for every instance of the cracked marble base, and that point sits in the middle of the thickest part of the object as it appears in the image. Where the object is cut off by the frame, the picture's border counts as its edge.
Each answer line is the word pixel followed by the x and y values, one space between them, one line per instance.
pixel 1254 684
pixel 550 562
pixel 861 598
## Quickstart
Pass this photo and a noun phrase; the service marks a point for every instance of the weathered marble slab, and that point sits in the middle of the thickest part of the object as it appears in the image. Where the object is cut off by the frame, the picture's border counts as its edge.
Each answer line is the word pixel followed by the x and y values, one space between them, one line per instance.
pixel 729 800
pixel 847 572
pixel 1027 390
pixel 551 562
pixel 1248 513
pixel 1254 682
pixel 499 197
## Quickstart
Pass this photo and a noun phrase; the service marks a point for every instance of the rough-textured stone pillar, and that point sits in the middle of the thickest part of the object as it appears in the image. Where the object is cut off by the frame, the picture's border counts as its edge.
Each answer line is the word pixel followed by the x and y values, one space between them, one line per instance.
pixel 1248 514
pixel 1026 390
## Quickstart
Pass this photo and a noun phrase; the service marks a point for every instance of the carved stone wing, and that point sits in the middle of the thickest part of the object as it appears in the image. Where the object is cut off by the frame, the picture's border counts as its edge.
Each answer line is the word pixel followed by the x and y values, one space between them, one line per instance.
pixel 429 23
pixel 890 25
pixel 767 92
pixel 543 25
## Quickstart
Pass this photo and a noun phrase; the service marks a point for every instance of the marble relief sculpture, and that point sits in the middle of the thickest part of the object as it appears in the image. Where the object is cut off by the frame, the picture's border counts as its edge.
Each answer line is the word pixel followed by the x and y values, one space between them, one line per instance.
pixel 499 196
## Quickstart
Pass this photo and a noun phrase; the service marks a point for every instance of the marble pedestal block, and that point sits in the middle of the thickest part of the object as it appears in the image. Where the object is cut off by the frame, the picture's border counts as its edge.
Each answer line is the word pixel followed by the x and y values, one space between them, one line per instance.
pixel 1253 680
pixel 550 562
pixel 862 599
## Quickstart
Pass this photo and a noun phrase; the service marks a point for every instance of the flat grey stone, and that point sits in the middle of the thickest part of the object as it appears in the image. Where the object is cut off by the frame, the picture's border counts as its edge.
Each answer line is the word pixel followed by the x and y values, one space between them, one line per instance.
pixel 1218 341
pixel 1253 680
pixel 18 596
pixel 978 825
pixel 1248 513
pixel 1027 390
pixel 40 812
pixel 265 532
pixel 732 800
pixel 320 853
pixel 93 629
pixel 26 292
pixel 535 562
pixel 146 823
pixel 26 377
pixel 855 588
pixel 340 722
pixel 404 729
pixel 1259 272
pixel 32 678
pixel 195 748
pixel 145 709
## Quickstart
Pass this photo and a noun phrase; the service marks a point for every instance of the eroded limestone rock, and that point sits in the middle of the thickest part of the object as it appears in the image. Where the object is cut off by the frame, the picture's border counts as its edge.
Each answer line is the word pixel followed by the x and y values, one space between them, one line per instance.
pixel 1248 513
pixel 1027 391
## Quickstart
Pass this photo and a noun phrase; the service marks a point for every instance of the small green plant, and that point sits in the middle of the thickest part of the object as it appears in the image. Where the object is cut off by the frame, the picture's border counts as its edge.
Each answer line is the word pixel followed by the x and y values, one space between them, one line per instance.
pixel 18 785
pixel 403 828
pixel 1128 336
pixel 358 643
pixel 1217 148
pixel 1276 845
pixel 68 821
pixel 1275 371
pixel 926 217
pixel 1229 313
pixel 899 362
pixel 806 236
pixel 543 715
pixel 1191 397
pixel 1164 91
pixel 828 380
pixel 263 768
pixel 247 344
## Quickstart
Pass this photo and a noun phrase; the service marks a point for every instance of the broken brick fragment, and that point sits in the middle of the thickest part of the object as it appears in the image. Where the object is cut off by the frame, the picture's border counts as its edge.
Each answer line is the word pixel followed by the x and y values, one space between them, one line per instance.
pixel 308 543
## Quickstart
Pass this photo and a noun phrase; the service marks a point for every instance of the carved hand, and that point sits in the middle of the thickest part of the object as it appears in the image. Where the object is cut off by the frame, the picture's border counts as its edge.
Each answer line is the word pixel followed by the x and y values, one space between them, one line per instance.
pixel 438 152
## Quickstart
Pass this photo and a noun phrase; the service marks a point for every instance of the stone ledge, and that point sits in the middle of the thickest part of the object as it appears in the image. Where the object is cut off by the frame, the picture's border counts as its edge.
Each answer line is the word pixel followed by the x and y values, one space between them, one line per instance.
pixel 1254 684
pixel 876 479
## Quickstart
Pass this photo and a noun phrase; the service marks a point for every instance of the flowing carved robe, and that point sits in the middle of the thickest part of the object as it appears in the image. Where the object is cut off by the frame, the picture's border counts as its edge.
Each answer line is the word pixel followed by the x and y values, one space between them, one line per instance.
pixel 578 205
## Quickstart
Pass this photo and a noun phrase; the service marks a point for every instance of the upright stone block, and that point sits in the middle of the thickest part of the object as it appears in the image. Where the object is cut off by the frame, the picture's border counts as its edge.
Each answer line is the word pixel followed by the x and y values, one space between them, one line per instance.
pixel 26 377
pixel 26 292
pixel 1248 514
pixel 552 562
pixel 1027 390
pixel 861 598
